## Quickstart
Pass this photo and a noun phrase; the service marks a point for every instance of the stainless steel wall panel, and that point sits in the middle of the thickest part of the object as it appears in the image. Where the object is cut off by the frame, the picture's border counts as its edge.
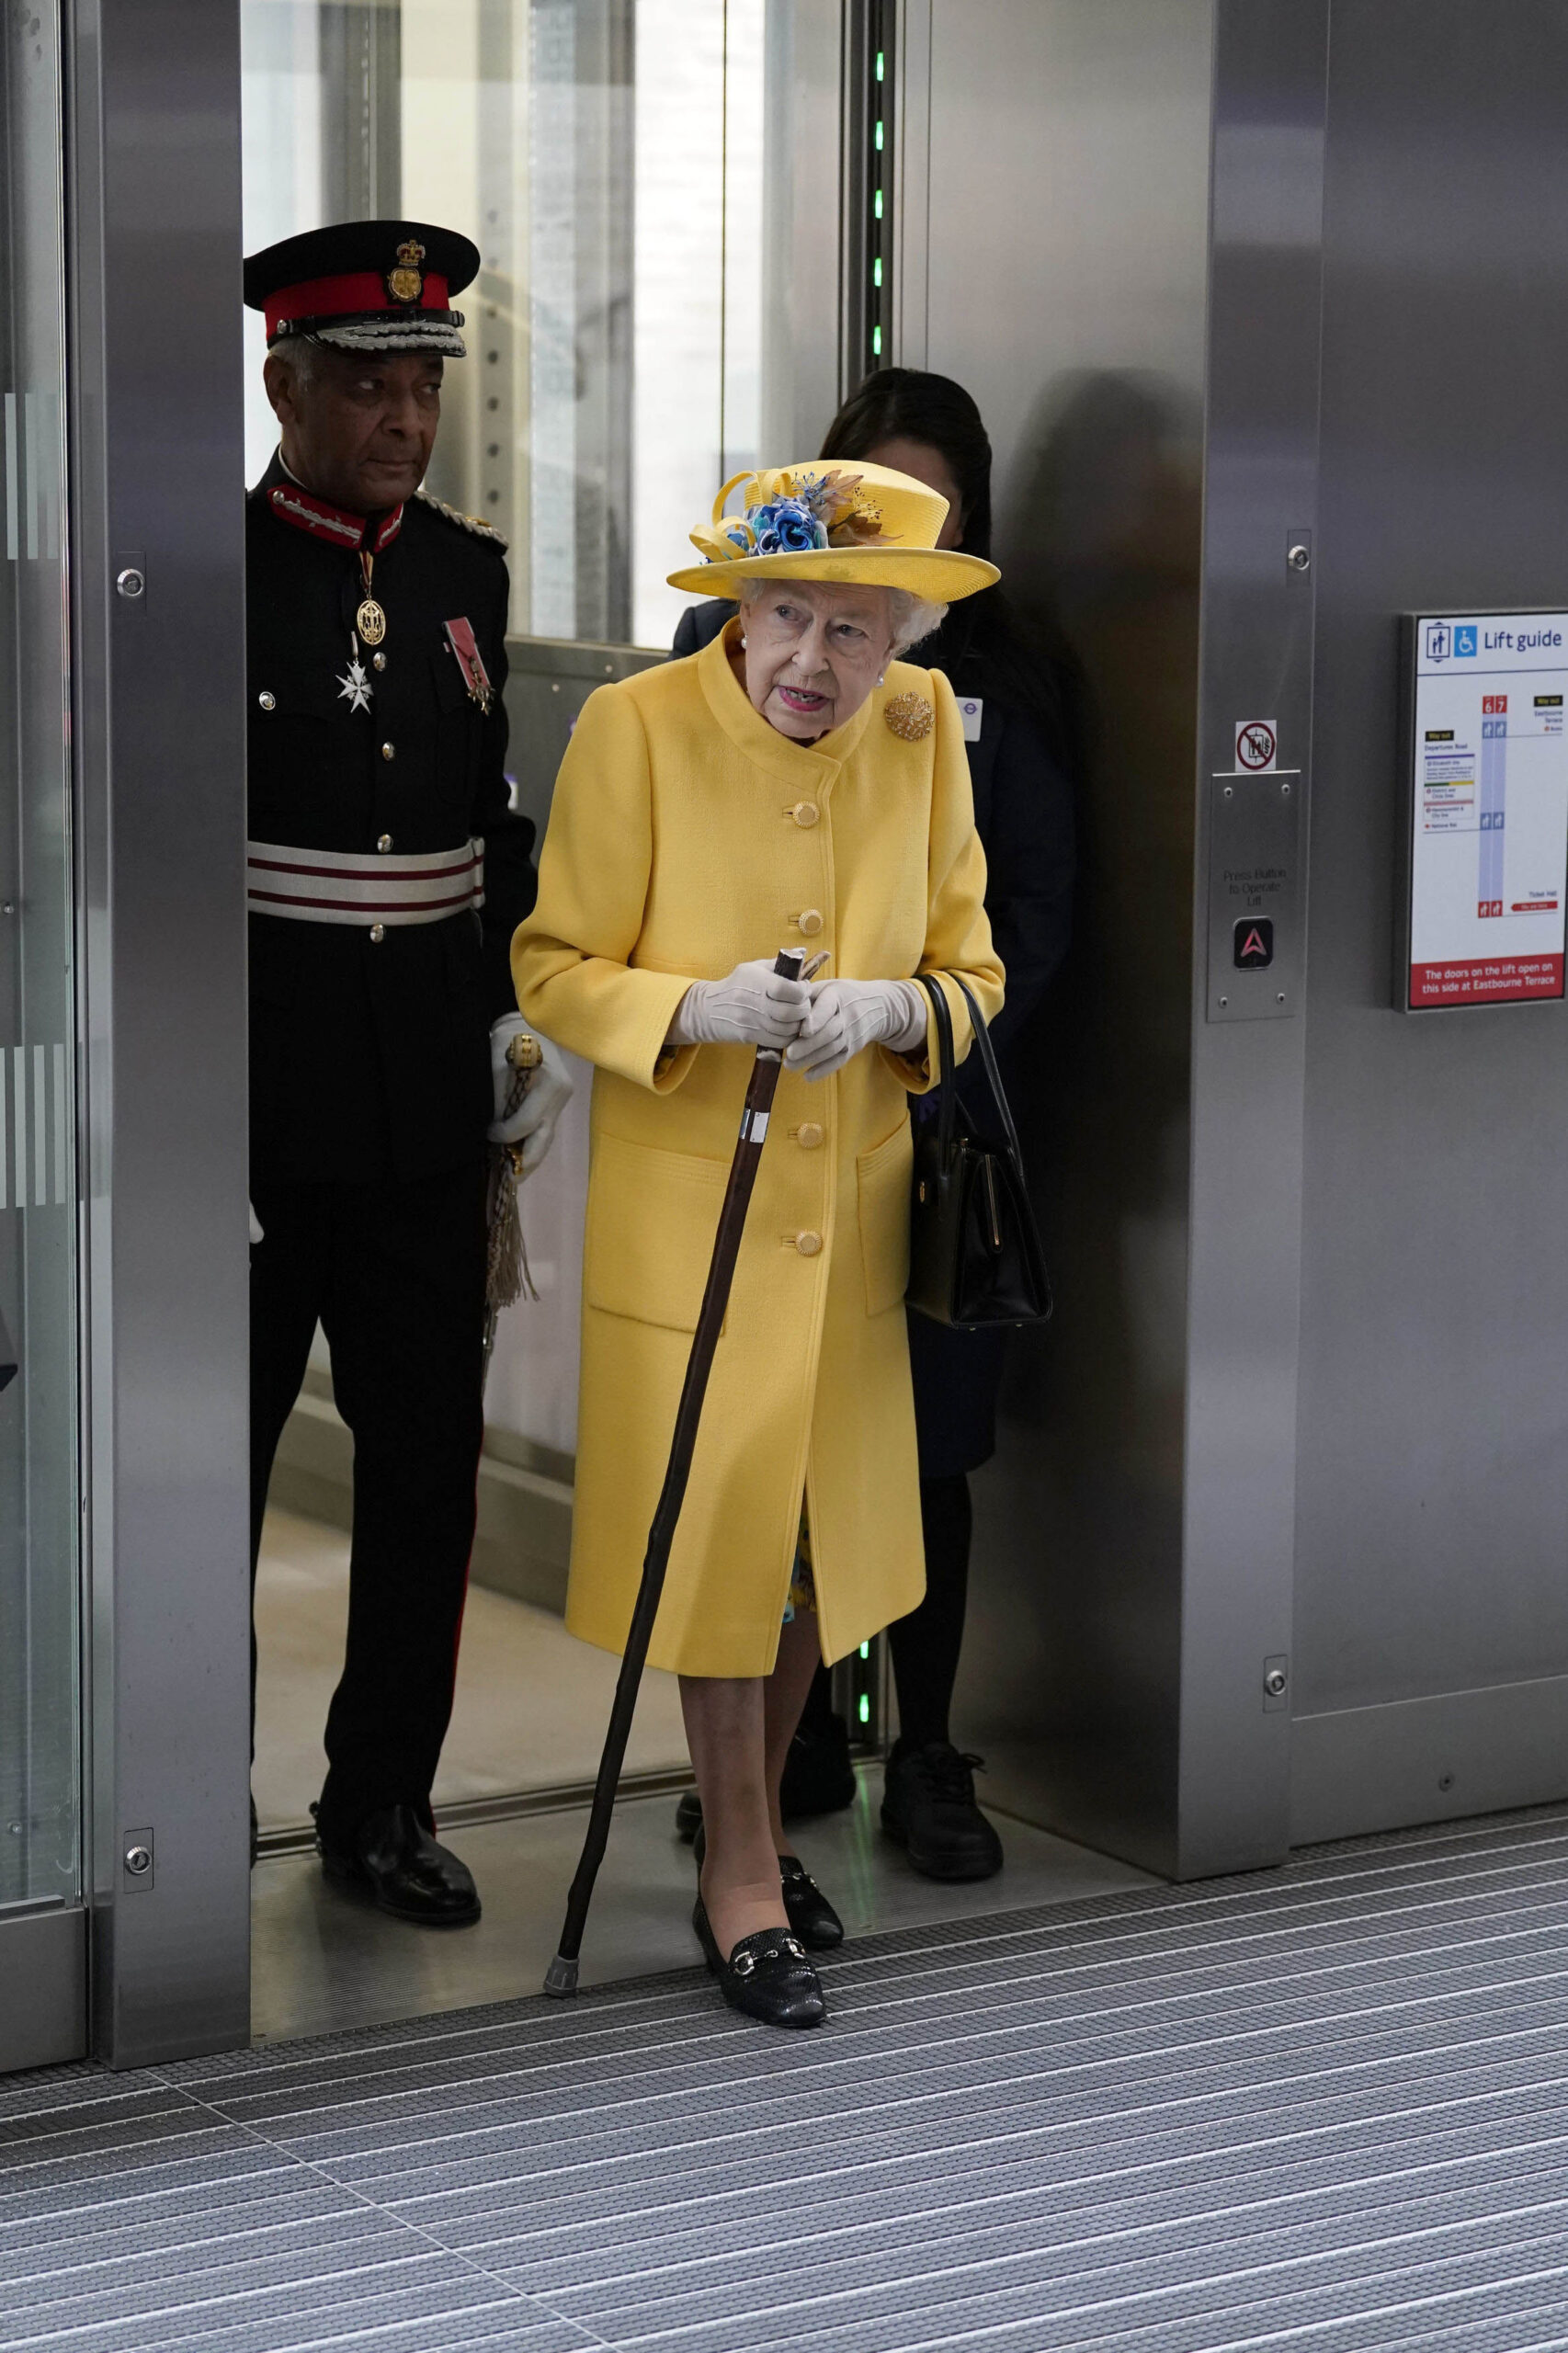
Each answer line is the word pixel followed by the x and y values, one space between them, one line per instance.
pixel 153 140
pixel 43 1967
pixel 1440 1758
pixel 1432 1528
pixel 1067 225
pixel 1244 1257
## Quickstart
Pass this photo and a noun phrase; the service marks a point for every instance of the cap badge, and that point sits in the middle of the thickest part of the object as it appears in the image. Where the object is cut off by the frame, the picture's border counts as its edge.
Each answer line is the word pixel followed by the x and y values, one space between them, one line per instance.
pixel 405 283
pixel 910 716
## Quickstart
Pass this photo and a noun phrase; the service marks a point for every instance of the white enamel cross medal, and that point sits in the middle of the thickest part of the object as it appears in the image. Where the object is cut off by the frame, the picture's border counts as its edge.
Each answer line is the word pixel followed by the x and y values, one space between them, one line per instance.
pixel 355 683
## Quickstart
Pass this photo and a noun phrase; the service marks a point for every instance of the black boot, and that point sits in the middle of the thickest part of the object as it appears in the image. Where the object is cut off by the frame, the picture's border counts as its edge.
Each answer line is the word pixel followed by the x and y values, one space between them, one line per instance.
pixel 928 1809
pixel 394 1860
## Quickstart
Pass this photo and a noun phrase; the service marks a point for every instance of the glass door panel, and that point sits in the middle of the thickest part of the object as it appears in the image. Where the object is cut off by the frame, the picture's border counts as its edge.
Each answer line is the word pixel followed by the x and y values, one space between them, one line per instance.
pixel 630 171
pixel 39 1672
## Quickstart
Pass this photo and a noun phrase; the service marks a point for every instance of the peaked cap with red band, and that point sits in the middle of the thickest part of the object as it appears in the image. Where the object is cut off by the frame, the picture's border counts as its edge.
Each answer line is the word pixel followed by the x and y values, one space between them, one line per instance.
pixel 366 286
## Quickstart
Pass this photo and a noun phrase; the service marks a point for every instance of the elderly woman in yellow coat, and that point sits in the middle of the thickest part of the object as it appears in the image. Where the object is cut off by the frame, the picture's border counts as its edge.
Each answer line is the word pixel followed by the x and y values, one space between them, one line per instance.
pixel 793 784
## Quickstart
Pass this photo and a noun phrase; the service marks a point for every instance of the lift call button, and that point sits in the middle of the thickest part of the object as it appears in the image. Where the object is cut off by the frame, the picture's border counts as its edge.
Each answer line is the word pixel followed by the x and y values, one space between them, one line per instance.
pixel 1254 949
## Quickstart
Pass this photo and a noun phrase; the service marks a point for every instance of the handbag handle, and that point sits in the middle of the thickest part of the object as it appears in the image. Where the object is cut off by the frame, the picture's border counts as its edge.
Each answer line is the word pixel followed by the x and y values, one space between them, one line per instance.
pixel 947 1059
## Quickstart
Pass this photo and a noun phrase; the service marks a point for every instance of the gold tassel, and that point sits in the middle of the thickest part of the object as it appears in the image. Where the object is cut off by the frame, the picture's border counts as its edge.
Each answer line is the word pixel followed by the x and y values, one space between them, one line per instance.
pixel 508 1276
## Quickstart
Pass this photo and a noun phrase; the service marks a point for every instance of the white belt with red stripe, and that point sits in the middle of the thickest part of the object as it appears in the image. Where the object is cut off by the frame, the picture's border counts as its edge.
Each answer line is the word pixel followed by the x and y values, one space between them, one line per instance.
pixel 340 886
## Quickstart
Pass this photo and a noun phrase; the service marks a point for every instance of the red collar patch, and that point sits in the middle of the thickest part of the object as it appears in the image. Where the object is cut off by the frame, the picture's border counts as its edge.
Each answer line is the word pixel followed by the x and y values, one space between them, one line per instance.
pixel 334 524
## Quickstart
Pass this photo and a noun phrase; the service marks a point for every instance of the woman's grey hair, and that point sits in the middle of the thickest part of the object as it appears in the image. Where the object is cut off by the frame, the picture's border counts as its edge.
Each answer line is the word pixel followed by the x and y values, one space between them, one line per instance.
pixel 913 618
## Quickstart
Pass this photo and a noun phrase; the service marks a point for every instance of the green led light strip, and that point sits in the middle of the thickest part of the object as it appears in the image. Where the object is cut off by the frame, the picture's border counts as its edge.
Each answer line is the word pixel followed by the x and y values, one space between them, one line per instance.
pixel 878 118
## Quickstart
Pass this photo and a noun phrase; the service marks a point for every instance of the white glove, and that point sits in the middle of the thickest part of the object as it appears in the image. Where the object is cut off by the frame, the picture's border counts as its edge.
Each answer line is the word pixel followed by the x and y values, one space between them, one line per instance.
pixel 533 1124
pixel 755 1007
pixel 847 1015
pixel 255 1233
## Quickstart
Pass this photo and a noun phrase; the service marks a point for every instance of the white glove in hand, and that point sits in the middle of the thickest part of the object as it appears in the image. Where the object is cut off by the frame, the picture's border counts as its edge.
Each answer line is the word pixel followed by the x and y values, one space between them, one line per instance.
pixel 755 1007
pixel 847 1015
pixel 533 1124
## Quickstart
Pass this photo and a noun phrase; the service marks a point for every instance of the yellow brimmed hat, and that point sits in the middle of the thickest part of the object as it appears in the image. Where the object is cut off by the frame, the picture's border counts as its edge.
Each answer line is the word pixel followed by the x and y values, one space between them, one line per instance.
pixel 864 526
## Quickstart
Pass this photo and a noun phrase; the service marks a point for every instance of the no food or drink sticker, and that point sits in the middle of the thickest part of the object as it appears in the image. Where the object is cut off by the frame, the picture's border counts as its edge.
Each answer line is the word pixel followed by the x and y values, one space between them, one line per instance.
pixel 1258 743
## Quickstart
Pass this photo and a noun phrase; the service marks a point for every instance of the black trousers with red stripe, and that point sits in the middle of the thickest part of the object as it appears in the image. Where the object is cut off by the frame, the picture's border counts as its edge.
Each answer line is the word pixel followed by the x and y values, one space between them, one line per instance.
pixel 395 1275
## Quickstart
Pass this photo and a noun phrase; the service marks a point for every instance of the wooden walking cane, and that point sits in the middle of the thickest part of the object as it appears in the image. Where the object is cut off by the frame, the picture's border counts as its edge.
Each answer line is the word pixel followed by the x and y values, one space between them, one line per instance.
pixel 561 1977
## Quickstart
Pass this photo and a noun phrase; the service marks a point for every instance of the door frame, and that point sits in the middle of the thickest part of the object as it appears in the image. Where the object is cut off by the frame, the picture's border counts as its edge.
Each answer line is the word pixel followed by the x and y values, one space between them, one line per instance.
pixel 154 239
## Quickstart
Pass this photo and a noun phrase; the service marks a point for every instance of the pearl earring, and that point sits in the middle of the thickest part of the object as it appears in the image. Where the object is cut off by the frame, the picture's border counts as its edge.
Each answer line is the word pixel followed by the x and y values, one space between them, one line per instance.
pixel 743 641
pixel 881 678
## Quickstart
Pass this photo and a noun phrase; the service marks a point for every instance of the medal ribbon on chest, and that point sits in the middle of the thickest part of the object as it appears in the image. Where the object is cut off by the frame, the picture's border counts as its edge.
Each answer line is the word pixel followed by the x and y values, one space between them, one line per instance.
pixel 470 661
pixel 336 525
pixel 370 620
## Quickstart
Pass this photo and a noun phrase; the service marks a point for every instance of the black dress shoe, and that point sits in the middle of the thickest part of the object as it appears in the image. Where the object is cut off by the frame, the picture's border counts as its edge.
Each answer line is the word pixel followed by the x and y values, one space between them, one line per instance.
pixel 819 1773
pixel 807 1909
pixel 767 1976
pixel 928 1809
pixel 819 1776
pixel 392 1859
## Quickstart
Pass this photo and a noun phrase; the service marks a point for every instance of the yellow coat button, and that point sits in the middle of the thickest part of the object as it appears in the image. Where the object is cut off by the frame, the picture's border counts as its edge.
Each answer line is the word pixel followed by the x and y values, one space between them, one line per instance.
pixel 810 922
pixel 378 933
pixel 388 750
pixel 384 842
pixel 808 1135
pixel 805 813
pixel 808 1245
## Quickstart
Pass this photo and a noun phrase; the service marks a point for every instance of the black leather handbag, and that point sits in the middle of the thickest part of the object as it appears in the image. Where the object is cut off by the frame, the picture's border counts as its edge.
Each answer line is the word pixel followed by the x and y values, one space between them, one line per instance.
pixel 974 1254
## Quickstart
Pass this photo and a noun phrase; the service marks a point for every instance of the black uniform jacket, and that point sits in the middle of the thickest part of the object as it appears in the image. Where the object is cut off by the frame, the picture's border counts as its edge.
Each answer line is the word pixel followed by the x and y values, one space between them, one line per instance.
pixel 371 1059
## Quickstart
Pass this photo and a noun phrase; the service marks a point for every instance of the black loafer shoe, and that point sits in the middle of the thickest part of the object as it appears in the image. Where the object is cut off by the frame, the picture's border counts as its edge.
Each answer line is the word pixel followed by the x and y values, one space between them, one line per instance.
pixel 394 1860
pixel 810 1913
pixel 928 1809
pixel 807 1909
pixel 767 1976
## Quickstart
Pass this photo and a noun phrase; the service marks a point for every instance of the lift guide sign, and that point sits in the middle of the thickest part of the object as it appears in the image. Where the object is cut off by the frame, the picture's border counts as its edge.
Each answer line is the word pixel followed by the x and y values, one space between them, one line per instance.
pixel 1489 808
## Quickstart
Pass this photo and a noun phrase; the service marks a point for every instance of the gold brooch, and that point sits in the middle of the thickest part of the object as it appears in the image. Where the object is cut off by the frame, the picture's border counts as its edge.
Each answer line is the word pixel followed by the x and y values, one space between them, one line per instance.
pixel 910 716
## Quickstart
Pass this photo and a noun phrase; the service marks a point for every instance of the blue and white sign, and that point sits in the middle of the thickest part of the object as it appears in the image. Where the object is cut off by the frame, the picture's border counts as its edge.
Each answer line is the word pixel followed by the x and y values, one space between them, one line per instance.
pixel 1489 809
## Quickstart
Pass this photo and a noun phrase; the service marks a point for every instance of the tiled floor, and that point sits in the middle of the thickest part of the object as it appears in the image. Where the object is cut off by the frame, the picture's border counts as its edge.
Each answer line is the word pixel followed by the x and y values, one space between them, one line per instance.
pixel 320 1960
pixel 1321 2110
pixel 531 1702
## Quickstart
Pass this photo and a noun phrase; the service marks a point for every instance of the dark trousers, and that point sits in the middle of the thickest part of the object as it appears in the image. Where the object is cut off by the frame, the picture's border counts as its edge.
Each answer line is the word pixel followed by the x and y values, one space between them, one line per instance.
pixel 395 1273
pixel 927 1644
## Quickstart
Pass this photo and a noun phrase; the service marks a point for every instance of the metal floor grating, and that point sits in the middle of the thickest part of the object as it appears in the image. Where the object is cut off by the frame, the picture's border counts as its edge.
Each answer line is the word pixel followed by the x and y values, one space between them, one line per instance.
pixel 1320 2110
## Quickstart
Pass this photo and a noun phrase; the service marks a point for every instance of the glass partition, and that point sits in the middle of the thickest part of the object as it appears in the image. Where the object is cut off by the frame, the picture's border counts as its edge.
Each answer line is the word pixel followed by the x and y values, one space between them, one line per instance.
pixel 607 156
pixel 653 185
pixel 39 1674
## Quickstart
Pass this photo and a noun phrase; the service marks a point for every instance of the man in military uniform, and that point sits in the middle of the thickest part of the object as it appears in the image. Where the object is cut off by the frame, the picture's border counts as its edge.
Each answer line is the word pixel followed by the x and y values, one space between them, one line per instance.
pixel 387 871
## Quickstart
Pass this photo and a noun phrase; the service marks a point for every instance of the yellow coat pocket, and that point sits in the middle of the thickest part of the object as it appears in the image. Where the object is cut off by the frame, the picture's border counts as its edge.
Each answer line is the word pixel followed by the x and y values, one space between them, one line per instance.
pixel 883 1187
pixel 652 1217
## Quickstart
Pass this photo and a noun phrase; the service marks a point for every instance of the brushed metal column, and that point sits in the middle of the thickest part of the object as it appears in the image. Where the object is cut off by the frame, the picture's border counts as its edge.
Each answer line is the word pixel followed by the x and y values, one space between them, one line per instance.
pixel 153 140
pixel 1243 1260
pixel 1120 205
pixel 1065 213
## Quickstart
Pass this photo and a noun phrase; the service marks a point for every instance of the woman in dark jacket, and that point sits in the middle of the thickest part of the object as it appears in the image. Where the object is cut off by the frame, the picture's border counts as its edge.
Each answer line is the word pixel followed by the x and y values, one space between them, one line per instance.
pixel 1016 726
